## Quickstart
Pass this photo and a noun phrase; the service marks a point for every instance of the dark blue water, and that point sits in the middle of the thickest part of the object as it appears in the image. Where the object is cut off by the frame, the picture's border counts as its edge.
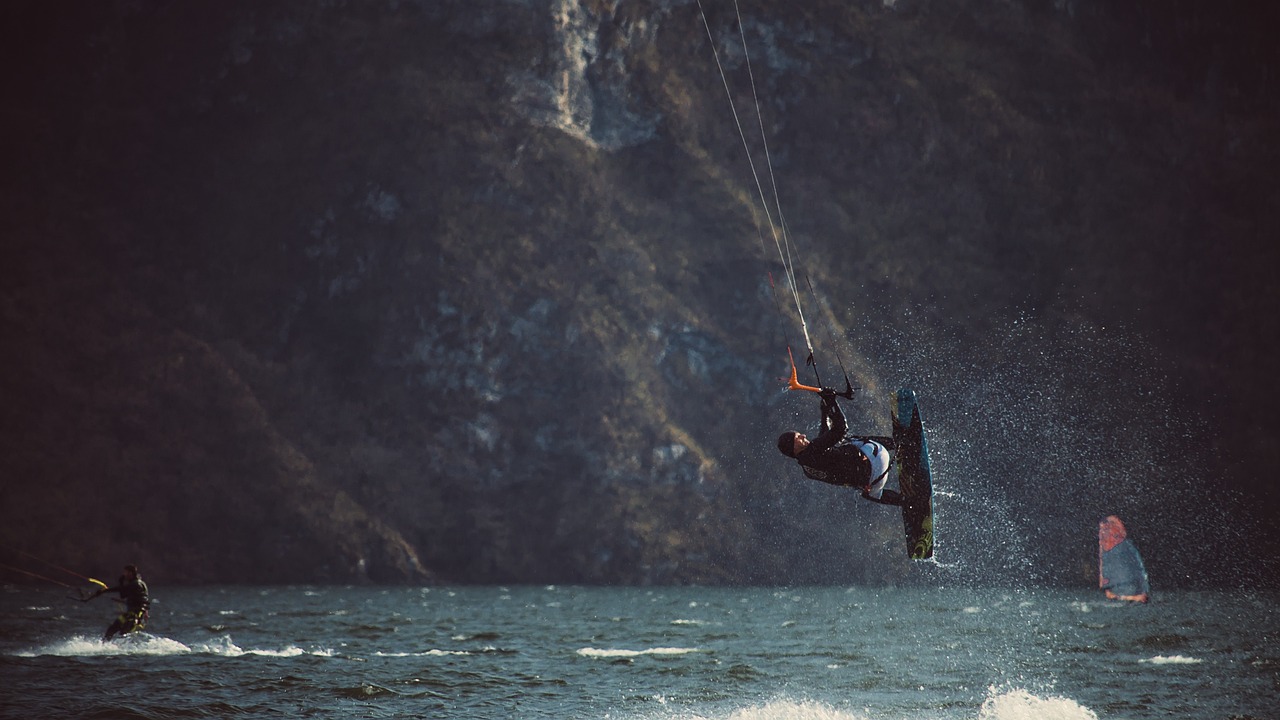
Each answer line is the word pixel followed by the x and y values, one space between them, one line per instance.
pixel 572 652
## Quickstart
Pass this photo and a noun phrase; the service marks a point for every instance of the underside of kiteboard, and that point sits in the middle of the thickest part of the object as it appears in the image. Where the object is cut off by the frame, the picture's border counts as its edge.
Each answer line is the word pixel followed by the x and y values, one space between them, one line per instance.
pixel 914 476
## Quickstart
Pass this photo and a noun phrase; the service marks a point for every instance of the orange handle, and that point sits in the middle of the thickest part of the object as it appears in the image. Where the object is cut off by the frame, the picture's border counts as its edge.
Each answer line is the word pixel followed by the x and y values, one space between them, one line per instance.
pixel 795 380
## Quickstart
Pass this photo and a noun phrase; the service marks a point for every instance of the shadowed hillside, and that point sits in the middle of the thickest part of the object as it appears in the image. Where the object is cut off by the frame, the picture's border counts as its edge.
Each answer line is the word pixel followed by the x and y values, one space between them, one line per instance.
pixel 479 292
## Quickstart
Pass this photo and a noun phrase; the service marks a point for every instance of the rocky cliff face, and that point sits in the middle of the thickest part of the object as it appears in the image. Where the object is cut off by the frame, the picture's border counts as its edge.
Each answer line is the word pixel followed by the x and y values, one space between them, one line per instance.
pixel 480 291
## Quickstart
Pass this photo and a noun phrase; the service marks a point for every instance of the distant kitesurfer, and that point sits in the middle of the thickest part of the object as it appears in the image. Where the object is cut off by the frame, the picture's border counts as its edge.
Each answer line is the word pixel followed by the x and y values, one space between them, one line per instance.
pixel 833 458
pixel 136 599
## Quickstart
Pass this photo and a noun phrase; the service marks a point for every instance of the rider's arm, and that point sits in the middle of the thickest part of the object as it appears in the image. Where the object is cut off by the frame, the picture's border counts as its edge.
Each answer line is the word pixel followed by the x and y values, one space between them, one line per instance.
pixel 99 591
pixel 834 426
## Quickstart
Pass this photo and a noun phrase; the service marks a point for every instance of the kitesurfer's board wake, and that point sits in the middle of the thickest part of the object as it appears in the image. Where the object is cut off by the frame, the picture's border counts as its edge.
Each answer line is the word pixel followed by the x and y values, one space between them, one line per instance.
pixel 914 476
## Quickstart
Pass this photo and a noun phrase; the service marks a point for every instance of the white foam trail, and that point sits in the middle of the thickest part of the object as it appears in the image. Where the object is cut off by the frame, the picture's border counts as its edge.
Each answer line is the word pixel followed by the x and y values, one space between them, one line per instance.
pixel 135 644
pixel 147 644
pixel 226 648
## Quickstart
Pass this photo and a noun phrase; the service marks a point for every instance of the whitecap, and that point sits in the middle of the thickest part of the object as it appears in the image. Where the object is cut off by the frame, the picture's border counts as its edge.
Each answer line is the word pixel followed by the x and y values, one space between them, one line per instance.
pixel 225 647
pixel 1172 660
pixel 789 709
pixel 425 653
pixel 618 653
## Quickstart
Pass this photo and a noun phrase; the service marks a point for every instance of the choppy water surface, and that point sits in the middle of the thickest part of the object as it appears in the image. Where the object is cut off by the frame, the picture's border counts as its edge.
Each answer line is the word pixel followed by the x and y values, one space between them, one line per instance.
pixel 573 652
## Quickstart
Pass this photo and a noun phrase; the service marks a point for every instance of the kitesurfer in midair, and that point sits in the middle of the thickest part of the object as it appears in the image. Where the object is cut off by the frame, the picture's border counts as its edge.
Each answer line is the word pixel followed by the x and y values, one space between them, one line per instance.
pixel 834 459
pixel 136 599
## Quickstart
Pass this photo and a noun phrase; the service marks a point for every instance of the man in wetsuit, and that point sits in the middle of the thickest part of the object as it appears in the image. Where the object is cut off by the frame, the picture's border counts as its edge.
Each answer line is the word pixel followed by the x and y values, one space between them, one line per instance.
pixel 834 459
pixel 136 599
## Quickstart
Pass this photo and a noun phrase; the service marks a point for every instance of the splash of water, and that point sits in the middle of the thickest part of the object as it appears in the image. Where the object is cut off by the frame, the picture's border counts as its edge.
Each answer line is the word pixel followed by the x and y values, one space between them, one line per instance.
pixel 999 705
pixel 142 643
pixel 132 644
pixel 1022 705
pixel 1039 433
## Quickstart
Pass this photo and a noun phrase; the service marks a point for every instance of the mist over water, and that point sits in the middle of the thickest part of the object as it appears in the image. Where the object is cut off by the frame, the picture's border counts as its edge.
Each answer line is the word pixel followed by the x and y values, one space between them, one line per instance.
pixel 1042 432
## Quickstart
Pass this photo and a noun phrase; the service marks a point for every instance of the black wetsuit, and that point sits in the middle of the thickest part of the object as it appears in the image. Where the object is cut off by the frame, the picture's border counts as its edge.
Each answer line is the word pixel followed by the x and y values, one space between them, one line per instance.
pixel 137 602
pixel 829 458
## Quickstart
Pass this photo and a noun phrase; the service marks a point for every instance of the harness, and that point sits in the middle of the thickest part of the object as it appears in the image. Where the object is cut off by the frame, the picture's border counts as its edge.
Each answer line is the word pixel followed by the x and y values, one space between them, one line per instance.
pixel 893 456
pixel 825 476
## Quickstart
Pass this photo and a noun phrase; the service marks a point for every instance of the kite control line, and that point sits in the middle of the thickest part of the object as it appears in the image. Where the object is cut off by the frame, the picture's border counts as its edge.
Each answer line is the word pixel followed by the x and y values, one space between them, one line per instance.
pixel 80 593
pixel 55 566
pixel 37 576
pixel 848 385
pixel 778 230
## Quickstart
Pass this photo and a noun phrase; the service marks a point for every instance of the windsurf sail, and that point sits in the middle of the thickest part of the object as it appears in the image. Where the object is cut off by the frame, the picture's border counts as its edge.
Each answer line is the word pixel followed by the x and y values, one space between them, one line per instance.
pixel 1121 574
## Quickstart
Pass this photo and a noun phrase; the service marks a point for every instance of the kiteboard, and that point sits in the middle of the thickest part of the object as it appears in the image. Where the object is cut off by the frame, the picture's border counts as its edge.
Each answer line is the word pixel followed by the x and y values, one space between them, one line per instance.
pixel 914 476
